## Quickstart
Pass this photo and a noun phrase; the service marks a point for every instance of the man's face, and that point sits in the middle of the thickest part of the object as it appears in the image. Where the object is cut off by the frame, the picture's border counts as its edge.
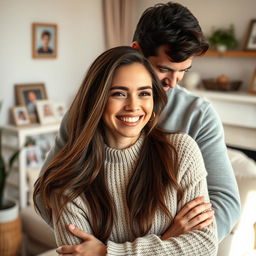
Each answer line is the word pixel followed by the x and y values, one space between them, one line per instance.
pixel 32 96
pixel 45 40
pixel 169 73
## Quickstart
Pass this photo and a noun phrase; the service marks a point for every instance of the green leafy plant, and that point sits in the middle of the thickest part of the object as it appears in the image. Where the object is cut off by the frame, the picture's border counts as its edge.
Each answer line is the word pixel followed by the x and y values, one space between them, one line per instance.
pixel 5 170
pixel 224 36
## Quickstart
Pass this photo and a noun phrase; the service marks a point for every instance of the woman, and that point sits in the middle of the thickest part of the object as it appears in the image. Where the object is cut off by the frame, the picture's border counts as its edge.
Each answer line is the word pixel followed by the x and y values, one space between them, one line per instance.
pixel 120 177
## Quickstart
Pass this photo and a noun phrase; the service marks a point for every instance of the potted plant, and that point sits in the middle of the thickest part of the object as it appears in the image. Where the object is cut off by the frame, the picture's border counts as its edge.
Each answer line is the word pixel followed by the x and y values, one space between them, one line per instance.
pixel 10 224
pixel 223 38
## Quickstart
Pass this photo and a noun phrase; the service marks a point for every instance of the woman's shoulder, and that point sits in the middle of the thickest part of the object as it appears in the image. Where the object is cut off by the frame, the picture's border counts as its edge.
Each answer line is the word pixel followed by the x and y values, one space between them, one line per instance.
pixel 189 156
pixel 183 142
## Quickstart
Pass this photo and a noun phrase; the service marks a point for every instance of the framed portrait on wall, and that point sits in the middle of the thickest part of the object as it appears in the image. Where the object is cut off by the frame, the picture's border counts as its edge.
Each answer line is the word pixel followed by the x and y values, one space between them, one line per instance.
pixel 44 40
pixel 27 95
pixel 250 43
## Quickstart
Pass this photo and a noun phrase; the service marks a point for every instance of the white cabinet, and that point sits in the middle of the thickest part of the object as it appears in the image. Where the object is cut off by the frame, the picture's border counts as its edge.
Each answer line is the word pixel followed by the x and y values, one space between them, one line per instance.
pixel 237 112
pixel 14 138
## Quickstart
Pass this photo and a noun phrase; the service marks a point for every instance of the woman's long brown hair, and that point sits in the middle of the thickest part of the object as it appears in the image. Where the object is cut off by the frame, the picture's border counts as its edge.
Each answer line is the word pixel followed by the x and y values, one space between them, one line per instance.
pixel 78 168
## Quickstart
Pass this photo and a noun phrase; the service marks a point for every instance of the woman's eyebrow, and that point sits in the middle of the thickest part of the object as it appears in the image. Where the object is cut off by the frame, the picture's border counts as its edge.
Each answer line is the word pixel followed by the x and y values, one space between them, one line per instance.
pixel 127 89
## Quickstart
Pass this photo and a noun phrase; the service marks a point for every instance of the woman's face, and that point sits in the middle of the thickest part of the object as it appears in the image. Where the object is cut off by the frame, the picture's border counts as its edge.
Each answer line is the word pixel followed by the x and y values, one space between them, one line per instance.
pixel 129 107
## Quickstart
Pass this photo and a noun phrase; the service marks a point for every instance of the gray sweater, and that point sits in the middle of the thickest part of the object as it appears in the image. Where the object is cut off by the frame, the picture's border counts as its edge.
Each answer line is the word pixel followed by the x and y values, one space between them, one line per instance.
pixel 118 169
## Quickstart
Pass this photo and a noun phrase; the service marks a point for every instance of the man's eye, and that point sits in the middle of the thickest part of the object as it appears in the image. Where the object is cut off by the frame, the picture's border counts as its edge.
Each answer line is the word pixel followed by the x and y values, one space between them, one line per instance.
pixel 163 70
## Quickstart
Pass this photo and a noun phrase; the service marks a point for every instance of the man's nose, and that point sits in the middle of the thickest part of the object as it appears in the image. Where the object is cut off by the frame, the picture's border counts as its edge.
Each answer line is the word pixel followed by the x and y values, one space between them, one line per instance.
pixel 170 81
pixel 173 79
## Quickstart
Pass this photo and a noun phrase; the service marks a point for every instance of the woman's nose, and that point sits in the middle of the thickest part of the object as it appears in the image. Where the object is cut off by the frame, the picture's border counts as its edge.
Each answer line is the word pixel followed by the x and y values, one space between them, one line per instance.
pixel 132 104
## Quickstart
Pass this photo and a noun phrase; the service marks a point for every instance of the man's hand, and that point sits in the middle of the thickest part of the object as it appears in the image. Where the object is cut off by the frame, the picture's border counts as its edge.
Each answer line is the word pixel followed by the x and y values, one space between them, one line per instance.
pixel 193 216
pixel 90 247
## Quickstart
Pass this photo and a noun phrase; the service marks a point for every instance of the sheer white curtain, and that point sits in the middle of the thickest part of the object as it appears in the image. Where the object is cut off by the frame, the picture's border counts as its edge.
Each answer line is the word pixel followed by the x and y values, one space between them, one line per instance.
pixel 118 22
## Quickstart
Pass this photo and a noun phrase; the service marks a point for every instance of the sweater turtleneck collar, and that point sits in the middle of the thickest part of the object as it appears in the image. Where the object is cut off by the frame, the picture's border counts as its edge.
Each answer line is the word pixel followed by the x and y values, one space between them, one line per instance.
pixel 126 155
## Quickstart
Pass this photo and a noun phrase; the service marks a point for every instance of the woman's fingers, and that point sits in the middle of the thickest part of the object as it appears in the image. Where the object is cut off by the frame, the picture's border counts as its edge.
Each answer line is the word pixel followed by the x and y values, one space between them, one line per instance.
pixel 197 211
pixel 201 220
pixel 191 205
pixel 203 224
pixel 194 215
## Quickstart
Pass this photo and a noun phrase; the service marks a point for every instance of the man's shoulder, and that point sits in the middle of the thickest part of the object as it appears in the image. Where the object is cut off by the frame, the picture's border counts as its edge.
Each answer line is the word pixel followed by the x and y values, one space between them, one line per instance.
pixel 183 98
pixel 186 112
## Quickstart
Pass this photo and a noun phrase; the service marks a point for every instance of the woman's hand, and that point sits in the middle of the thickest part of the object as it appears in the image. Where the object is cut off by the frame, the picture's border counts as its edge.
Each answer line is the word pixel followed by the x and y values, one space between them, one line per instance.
pixel 90 247
pixel 193 216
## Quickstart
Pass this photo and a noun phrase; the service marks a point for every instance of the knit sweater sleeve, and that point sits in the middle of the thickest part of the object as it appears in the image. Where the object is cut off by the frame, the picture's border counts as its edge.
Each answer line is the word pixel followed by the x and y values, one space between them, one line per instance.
pixel 192 179
pixel 74 212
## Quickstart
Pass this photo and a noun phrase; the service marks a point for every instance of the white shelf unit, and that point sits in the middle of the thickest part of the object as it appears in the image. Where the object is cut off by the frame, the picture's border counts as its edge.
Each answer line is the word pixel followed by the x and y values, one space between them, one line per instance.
pixel 14 138
pixel 237 111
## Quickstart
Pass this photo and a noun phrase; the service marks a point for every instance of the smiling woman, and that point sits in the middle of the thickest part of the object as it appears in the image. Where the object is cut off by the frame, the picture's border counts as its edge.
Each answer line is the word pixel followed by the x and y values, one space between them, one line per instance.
pixel 129 107
pixel 117 160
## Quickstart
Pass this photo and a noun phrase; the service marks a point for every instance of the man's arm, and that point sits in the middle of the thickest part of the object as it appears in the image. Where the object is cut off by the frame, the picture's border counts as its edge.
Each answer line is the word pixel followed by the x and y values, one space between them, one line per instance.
pixel 60 141
pixel 222 186
pixel 195 116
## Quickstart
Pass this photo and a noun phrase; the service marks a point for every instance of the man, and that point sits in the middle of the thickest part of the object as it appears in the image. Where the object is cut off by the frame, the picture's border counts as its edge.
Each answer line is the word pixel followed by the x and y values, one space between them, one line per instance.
pixel 45 40
pixel 170 36
pixel 31 105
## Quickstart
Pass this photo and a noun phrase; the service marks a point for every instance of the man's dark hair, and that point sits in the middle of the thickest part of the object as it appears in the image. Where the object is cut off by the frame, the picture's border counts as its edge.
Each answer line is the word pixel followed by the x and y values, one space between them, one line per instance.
pixel 171 25
pixel 46 33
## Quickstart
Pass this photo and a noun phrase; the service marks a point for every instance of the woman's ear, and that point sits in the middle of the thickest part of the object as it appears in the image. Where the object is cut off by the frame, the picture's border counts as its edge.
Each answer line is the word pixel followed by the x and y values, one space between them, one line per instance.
pixel 136 46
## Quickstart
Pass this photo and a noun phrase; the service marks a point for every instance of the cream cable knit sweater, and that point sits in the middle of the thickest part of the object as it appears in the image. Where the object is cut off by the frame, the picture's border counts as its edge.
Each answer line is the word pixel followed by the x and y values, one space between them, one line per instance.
pixel 118 168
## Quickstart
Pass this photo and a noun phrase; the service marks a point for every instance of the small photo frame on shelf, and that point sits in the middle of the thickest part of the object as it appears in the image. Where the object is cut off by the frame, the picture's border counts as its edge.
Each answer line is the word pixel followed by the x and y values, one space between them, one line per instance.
pixel 252 85
pixel 28 94
pixel 33 157
pixel 250 43
pixel 20 116
pixel 60 110
pixel 45 142
pixel 46 112
pixel 44 40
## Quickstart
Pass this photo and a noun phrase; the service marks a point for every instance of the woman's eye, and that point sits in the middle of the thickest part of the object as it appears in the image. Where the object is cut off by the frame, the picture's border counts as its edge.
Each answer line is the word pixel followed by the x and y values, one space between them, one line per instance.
pixel 118 94
pixel 145 94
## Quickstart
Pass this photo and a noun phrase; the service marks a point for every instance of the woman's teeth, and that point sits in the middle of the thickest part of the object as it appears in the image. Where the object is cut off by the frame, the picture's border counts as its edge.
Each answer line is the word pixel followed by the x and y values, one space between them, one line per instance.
pixel 129 119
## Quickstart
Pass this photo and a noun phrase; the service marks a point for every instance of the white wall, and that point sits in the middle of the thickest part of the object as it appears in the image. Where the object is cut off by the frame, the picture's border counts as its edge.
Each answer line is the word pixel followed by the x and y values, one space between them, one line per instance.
pixel 80 40
pixel 219 13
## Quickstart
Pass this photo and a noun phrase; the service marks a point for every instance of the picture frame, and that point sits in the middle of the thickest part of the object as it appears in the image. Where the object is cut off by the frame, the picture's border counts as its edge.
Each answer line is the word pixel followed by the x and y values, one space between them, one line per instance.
pixel 28 94
pixel 60 110
pixel 33 157
pixel 45 142
pixel 252 85
pixel 250 43
pixel 20 116
pixel 44 40
pixel 46 112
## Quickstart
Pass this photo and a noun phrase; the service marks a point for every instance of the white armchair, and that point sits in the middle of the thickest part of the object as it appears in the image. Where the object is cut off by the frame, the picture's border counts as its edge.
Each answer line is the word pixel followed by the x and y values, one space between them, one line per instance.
pixel 242 239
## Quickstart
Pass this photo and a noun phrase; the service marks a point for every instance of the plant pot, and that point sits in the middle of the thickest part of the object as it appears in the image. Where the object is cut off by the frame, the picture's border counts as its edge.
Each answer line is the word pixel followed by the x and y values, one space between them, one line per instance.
pixel 10 230
pixel 221 48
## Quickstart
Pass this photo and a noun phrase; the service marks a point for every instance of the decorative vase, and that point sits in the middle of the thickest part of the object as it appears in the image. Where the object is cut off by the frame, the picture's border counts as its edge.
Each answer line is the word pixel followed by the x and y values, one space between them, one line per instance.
pixel 191 80
pixel 10 230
